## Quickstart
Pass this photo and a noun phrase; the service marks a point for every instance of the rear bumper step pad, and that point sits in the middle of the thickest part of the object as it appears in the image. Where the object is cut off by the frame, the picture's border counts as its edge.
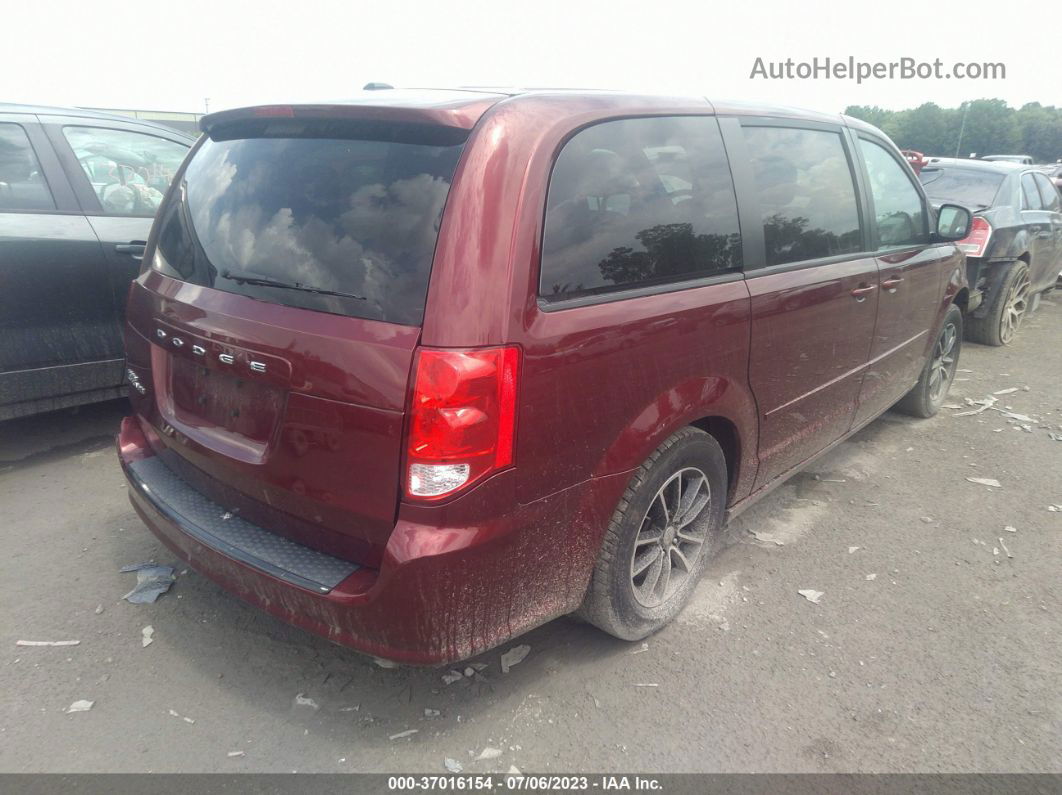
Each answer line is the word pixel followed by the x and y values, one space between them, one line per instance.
pixel 237 538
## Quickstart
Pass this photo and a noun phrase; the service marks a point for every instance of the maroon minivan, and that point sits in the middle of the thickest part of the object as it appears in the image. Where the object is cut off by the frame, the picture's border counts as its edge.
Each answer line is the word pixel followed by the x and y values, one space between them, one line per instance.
pixel 423 370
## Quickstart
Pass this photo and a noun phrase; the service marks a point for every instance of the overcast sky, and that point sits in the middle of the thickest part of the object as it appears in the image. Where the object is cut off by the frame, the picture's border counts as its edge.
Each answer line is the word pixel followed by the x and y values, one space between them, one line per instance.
pixel 170 56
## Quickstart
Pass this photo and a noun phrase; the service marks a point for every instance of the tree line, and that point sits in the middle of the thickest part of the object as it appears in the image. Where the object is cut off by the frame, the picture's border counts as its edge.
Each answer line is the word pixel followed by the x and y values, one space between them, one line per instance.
pixel 983 126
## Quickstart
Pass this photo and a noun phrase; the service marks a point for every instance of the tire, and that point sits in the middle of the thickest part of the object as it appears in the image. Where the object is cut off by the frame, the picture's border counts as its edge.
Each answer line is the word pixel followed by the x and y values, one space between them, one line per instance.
pixel 621 600
pixel 1010 302
pixel 927 396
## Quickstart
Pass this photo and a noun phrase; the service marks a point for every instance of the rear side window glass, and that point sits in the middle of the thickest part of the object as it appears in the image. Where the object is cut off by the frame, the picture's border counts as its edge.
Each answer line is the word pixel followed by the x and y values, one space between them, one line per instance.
pixel 1030 194
pixel 129 171
pixel 639 202
pixel 1048 192
pixel 806 193
pixel 22 184
pixel 969 187
pixel 340 218
pixel 898 212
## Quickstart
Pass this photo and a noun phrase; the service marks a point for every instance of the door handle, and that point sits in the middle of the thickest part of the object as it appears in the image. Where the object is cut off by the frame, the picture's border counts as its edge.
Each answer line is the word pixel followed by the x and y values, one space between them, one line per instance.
pixel 860 293
pixel 892 283
pixel 134 248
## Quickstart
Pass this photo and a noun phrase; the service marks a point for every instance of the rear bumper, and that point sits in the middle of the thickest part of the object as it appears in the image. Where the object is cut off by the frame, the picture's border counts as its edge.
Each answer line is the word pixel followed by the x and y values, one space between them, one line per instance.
pixel 442 593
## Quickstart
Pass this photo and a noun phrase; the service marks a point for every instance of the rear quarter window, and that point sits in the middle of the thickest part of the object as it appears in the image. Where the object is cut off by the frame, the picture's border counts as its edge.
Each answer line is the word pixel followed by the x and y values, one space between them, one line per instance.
pixel 639 202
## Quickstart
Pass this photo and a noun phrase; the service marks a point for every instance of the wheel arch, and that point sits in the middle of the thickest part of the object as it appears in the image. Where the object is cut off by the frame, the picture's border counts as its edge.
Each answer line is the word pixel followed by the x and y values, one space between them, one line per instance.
pixel 721 407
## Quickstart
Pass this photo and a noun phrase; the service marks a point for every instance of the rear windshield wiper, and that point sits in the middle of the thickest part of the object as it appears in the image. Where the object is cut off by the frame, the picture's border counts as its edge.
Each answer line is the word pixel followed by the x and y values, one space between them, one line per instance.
pixel 246 277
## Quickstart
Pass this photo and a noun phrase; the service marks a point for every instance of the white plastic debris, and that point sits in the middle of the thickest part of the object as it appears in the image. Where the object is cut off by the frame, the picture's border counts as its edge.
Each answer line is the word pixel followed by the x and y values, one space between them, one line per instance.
pixel 176 714
pixel 1009 529
pixel 99 609
pixel 233 754
pixel 152 581
pixel 811 595
pixel 452 765
pixel 431 713
pixel 226 516
pixel 451 677
pixel 872 576
pixel 640 649
pixel 514 656
pixel 1054 508
pixel 80 706
pixel 47 642
pixel 353 708
pixel 306 701
pixel 986 482
pixel 1007 551
pixel 470 672
pixel 384 663
pixel 647 684
pixel 853 549
pixel 146 638
pixel 982 405
pixel 489 753
pixel 406 733
pixel 1006 391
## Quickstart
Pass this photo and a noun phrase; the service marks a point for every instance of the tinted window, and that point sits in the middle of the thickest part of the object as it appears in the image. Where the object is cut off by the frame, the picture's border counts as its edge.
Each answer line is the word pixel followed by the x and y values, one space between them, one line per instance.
pixel 129 171
pixel 1048 192
pixel 639 202
pixel 1030 193
pixel 806 193
pixel 22 185
pixel 354 215
pixel 966 186
pixel 898 211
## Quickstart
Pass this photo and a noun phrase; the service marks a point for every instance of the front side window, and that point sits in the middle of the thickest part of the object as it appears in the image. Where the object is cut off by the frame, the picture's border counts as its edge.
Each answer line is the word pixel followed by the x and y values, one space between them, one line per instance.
pixel 806 194
pixel 129 171
pixel 898 211
pixel 639 202
pixel 22 184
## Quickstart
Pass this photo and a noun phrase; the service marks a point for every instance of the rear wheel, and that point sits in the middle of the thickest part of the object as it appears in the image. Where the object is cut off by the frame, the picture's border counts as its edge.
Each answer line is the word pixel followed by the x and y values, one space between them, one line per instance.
pixel 1007 309
pixel 662 534
pixel 927 396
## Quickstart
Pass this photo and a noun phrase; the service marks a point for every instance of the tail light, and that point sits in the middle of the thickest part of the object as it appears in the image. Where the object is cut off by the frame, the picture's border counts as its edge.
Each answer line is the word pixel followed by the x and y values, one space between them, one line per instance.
pixel 462 418
pixel 976 243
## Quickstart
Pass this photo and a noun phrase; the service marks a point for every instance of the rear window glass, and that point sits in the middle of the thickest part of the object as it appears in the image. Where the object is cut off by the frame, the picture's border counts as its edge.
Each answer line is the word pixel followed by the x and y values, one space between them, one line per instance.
pixel 340 218
pixel 639 202
pixel 965 186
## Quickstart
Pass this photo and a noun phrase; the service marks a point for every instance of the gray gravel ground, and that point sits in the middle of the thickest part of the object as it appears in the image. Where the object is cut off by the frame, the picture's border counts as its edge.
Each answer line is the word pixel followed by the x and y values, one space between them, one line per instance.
pixel 948 658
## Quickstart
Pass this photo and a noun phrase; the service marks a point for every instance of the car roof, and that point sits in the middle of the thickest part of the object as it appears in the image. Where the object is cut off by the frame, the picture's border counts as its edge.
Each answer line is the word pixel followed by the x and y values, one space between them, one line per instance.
pixel 82 113
pixel 992 166
pixel 463 107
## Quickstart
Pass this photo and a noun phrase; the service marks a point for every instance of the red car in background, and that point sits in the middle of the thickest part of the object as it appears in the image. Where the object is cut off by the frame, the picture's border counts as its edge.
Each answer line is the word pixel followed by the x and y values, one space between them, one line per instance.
pixel 421 371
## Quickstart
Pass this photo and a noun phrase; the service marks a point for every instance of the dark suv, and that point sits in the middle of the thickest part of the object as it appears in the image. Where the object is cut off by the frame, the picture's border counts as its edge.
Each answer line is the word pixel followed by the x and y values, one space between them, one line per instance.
pixel 1015 244
pixel 78 192
pixel 423 370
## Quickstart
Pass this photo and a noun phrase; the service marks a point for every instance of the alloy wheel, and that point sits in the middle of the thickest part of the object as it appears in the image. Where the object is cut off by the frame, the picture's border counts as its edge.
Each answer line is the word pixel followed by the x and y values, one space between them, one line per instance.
pixel 670 537
pixel 942 366
pixel 1017 302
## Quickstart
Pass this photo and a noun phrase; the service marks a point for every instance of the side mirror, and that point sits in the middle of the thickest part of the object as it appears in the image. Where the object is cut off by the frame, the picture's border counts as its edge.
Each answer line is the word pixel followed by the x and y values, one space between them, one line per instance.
pixel 953 223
